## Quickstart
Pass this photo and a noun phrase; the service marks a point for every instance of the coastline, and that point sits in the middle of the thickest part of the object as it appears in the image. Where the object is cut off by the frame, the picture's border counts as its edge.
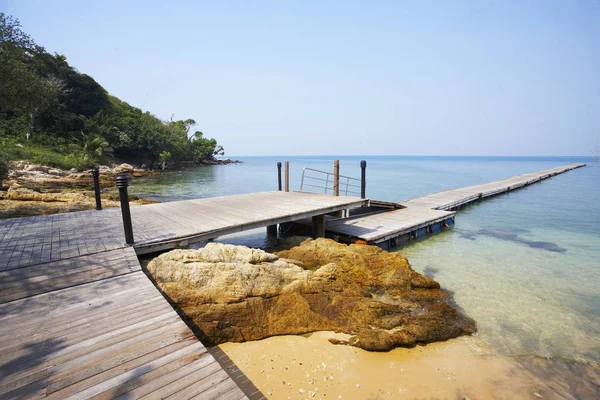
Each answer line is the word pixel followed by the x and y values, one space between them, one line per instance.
pixel 35 189
pixel 309 366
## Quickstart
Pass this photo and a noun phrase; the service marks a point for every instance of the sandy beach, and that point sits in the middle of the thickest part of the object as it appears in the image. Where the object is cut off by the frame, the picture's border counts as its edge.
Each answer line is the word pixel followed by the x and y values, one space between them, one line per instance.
pixel 307 367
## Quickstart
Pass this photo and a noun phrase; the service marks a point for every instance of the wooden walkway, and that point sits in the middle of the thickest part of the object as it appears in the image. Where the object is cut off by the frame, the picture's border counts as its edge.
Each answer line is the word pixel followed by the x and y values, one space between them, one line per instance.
pixel 383 226
pixel 452 199
pixel 428 214
pixel 80 319
pixel 33 240
pixel 95 326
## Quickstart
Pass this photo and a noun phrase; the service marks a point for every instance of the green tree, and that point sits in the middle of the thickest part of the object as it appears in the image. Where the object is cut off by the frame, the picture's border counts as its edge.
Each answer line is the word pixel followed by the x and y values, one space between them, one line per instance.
pixel 164 157
pixel 19 82
pixel 95 149
pixel 201 146
pixel 177 138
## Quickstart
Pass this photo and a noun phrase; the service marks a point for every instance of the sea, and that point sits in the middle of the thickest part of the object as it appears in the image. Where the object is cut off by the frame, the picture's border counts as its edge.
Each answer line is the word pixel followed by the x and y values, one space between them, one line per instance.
pixel 527 299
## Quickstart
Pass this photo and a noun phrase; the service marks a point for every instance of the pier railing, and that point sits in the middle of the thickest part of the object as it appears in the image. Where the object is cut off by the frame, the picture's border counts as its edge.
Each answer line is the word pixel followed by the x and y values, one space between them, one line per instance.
pixel 324 182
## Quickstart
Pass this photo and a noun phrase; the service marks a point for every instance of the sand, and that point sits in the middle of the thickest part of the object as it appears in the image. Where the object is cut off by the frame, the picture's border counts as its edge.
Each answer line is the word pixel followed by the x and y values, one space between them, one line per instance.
pixel 309 367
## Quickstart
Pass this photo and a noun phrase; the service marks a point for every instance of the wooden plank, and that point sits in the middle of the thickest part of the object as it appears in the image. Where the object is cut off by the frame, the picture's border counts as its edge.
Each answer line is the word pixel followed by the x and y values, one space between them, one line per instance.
pixel 184 382
pixel 53 350
pixel 115 381
pixel 152 385
pixel 51 277
pixel 161 368
pixel 220 390
pixel 199 386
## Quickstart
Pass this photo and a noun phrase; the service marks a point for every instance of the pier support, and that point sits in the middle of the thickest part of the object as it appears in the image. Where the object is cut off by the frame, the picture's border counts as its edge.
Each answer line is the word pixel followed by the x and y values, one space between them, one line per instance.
pixel 272 231
pixel 318 226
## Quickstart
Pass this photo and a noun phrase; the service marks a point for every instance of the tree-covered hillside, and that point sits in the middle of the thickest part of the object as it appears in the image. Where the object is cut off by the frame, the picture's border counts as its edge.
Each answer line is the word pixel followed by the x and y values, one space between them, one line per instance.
pixel 53 114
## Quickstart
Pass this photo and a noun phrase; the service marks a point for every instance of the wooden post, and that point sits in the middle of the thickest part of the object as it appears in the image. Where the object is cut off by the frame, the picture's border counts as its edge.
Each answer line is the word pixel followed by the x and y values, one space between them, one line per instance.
pixel 287 176
pixel 336 178
pixel 96 175
pixel 272 229
pixel 318 226
pixel 122 182
pixel 279 176
pixel 363 179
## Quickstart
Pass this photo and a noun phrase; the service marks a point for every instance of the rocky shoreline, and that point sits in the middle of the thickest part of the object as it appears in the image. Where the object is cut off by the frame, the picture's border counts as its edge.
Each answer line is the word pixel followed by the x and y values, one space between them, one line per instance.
pixel 34 189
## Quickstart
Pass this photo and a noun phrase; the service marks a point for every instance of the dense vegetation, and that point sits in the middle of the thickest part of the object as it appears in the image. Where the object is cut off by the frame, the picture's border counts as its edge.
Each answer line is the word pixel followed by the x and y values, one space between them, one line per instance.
pixel 53 114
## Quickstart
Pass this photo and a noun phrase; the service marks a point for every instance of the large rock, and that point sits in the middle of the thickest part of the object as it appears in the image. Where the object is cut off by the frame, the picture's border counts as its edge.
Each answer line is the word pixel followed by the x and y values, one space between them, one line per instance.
pixel 234 293
pixel 123 168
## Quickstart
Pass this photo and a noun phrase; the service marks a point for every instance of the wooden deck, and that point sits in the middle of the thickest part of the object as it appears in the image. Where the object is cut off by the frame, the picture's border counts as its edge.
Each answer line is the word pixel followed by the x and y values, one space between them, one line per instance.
pixel 379 227
pixel 80 319
pixel 40 239
pixel 95 326
pixel 451 199
pixel 430 213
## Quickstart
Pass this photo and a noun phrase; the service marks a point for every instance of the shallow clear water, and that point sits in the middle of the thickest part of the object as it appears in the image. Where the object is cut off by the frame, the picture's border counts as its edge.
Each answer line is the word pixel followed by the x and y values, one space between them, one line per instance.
pixel 526 297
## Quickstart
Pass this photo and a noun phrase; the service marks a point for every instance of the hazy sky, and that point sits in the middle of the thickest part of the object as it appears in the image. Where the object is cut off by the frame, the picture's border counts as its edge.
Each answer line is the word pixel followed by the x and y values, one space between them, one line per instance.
pixel 345 78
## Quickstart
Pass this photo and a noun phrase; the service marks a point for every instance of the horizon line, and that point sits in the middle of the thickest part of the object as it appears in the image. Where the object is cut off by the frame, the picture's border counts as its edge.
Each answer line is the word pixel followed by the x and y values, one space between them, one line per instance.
pixel 414 155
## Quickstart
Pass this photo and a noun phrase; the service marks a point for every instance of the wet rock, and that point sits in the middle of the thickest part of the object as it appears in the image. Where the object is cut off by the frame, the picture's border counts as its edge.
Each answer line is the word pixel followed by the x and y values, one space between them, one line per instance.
pixel 236 294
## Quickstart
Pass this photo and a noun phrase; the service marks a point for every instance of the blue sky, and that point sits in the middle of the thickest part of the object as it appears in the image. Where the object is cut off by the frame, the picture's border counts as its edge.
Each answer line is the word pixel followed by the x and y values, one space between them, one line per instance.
pixel 345 78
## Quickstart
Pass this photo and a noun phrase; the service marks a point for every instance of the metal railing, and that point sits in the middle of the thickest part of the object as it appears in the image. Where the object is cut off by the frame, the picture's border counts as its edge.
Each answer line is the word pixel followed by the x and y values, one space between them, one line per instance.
pixel 324 181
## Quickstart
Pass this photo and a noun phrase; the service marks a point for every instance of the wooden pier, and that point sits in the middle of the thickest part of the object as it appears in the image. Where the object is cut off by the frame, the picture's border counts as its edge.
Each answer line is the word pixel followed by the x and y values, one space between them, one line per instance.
pixel 80 319
pixel 418 217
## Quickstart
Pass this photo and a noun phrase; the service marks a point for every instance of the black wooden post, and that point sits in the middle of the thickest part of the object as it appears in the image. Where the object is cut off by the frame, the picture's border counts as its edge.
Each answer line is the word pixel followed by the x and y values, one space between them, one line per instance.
pixel 96 175
pixel 279 176
pixel 122 182
pixel 272 229
pixel 363 179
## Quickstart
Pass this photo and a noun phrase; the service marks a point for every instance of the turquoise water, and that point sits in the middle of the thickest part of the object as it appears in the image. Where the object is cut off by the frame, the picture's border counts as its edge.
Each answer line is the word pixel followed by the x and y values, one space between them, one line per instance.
pixel 526 299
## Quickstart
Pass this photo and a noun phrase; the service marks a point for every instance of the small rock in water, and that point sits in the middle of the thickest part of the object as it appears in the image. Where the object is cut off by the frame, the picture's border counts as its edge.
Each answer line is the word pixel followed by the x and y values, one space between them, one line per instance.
pixel 358 385
pixel 536 394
